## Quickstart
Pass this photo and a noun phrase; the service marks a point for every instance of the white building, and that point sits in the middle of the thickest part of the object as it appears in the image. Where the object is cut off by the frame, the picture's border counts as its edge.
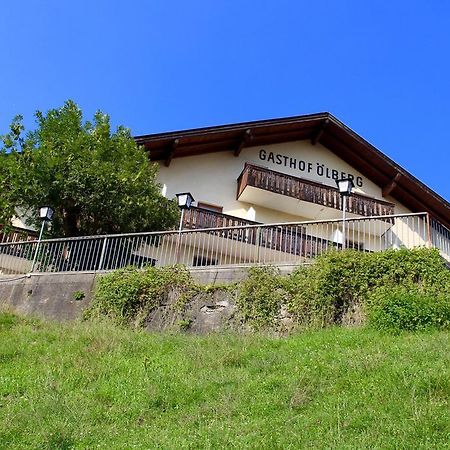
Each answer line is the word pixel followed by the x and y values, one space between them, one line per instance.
pixel 284 171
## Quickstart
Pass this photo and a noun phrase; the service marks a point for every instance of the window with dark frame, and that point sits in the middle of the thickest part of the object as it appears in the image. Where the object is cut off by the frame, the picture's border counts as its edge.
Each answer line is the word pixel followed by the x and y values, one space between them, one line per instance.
pixel 209 207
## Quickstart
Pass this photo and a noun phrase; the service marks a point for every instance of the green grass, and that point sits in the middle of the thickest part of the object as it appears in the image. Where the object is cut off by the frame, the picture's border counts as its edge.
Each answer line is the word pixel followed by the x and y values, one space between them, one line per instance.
pixel 93 385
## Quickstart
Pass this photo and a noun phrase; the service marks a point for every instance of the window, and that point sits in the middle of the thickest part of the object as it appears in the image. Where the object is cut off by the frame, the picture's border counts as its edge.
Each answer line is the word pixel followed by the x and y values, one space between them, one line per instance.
pixel 210 207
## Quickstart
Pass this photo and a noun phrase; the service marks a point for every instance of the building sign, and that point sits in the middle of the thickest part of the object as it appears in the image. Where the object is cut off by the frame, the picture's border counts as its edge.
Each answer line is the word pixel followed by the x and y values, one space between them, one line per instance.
pixel 317 168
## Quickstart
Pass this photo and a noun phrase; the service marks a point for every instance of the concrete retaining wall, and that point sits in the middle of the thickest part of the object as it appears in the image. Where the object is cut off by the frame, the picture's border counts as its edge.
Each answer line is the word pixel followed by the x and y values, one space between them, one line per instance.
pixel 56 296
pixel 225 275
pixel 50 296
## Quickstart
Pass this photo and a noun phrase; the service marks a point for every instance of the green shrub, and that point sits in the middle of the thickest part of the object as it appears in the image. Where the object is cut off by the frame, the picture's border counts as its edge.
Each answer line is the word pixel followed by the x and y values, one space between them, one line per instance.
pixel 322 293
pixel 260 297
pixel 409 308
pixel 402 266
pixel 128 295
pixel 184 324
pixel 78 295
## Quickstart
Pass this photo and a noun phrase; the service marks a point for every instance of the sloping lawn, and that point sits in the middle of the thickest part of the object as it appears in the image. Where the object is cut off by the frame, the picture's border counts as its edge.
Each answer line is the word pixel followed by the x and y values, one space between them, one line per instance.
pixel 93 385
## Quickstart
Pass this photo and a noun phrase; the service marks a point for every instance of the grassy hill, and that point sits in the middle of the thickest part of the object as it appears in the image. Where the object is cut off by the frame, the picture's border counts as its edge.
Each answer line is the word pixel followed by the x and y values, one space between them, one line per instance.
pixel 94 385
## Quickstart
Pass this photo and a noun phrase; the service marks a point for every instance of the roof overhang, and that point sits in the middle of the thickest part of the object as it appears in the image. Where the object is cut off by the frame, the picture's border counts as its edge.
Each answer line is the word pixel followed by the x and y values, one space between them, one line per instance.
pixel 321 128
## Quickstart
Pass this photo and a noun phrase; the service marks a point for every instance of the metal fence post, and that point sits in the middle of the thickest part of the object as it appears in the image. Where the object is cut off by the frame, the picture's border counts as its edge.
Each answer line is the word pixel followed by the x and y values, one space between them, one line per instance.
pixel 258 236
pixel 102 254
pixel 429 243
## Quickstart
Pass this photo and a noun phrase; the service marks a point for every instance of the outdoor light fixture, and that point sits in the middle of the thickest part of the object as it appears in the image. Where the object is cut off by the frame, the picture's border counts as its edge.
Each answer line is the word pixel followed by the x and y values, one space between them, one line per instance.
pixel 185 201
pixel 45 214
pixel 345 186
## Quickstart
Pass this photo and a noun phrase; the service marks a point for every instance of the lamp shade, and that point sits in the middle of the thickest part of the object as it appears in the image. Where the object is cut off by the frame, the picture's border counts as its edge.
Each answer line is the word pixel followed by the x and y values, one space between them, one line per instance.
pixel 185 200
pixel 46 213
pixel 345 185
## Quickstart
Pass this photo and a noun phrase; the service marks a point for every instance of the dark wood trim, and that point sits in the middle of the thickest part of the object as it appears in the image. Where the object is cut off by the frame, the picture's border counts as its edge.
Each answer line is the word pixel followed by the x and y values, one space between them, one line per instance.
pixel 391 186
pixel 171 153
pixel 341 149
pixel 315 139
pixel 246 139
pixel 195 218
pixel 293 122
pixel 15 234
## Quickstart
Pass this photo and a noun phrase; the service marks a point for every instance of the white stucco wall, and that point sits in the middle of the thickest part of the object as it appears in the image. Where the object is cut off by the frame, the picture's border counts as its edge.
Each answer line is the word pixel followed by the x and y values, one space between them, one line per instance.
pixel 211 178
pixel 20 220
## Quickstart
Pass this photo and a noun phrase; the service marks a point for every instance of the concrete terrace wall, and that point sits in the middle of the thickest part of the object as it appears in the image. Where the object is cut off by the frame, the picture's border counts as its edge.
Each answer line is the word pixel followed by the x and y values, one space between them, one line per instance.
pixel 51 296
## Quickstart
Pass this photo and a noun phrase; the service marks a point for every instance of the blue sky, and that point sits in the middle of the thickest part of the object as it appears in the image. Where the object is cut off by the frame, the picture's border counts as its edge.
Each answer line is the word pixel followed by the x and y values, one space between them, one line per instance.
pixel 381 67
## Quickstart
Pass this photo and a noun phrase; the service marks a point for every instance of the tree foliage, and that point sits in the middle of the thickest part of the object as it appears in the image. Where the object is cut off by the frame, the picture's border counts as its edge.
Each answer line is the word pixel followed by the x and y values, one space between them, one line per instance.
pixel 96 180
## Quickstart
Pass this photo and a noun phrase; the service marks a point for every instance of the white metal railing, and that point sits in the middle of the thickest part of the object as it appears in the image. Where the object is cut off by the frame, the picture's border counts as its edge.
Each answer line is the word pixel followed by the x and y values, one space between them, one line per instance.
pixel 440 238
pixel 279 243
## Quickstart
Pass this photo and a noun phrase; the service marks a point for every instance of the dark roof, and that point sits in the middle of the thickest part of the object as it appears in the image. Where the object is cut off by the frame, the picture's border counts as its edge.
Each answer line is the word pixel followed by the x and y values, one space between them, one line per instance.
pixel 321 127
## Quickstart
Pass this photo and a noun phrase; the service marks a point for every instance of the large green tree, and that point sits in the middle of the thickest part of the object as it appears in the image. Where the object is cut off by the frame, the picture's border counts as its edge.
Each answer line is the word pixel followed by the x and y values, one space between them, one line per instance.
pixel 96 180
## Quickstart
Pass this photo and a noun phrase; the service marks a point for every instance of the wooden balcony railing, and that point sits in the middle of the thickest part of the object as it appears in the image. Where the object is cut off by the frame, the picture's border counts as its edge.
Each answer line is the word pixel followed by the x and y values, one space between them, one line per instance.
pixel 289 239
pixel 15 234
pixel 309 191
pixel 195 218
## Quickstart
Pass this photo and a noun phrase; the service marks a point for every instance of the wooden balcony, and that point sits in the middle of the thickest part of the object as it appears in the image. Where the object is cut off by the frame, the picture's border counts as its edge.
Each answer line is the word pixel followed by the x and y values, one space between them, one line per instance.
pixel 309 191
pixel 15 234
pixel 292 239
pixel 195 218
